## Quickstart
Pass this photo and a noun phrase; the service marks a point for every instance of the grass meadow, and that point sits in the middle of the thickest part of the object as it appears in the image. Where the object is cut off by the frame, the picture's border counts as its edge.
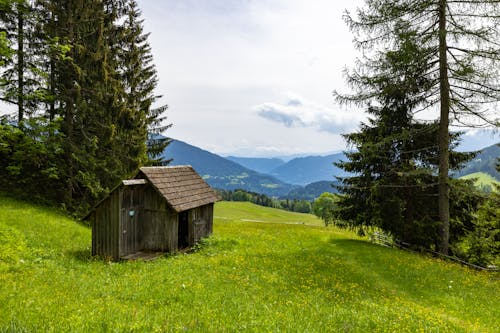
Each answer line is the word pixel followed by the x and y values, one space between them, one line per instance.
pixel 483 180
pixel 263 270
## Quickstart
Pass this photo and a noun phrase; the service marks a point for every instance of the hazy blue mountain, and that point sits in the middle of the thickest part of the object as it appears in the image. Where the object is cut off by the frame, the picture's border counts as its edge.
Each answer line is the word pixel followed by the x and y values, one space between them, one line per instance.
pixel 262 165
pixel 313 190
pixel 485 162
pixel 306 170
pixel 222 173
pixel 314 174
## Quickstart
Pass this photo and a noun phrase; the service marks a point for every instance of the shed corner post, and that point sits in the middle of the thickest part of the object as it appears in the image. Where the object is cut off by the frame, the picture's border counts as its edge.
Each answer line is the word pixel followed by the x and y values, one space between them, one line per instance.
pixel 118 232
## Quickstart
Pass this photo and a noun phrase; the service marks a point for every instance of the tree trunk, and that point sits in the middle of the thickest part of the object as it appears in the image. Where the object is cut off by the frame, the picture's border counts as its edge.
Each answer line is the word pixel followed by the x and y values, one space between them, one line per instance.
pixel 69 110
pixel 20 65
pixel 443 137
pixel 52 70
pixel 52 88
pixel 68 156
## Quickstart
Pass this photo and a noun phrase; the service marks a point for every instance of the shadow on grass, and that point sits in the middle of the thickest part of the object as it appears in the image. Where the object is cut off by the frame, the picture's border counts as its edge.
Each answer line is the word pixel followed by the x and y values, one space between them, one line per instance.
pixel 83 255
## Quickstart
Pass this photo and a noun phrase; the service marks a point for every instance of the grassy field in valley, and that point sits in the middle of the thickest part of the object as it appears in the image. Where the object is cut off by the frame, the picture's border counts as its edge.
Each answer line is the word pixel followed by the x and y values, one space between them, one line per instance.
pixel 247 212
pixel 263 270
pixel 482 180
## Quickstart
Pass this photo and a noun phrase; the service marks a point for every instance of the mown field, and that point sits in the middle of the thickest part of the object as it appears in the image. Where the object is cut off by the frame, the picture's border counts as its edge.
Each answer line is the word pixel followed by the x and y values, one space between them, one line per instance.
pixel 263 270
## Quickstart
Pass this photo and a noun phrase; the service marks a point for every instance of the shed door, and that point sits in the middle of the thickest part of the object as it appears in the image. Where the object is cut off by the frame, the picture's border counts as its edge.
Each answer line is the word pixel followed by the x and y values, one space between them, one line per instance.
pixel 130 218
pixel 183 230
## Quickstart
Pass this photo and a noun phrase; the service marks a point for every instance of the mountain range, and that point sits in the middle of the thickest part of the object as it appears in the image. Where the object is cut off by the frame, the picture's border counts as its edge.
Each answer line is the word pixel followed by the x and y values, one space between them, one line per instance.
pixel 270 176
pixel 298 171
pixel 222 173
pixel 299 178
pixel 259 164
pixel 485 161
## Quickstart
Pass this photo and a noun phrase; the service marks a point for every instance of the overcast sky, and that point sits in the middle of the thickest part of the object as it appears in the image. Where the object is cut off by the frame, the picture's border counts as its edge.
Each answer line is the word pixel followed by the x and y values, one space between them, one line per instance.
pixel 255 78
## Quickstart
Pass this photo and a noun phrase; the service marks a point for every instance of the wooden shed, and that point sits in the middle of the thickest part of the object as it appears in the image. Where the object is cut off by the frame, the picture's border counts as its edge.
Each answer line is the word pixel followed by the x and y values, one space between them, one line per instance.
pixel 162 209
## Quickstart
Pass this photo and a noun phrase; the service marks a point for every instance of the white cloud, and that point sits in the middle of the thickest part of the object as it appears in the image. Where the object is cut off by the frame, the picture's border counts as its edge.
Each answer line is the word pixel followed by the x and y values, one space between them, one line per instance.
pixel 219 61
pixel 297 112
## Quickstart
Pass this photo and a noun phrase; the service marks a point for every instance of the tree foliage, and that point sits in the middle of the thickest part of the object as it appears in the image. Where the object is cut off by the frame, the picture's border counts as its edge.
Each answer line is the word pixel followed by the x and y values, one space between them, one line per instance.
pixel 324 207
pixel 458 42
pixel 479 243
pixel 31 161
pixel 82 76
pixel 293 205
pixel 395 160
pixel 5 49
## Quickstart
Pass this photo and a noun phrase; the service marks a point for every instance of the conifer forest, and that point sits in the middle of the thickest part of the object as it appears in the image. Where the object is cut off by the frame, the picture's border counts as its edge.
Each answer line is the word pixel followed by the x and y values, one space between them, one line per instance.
pixel 80 78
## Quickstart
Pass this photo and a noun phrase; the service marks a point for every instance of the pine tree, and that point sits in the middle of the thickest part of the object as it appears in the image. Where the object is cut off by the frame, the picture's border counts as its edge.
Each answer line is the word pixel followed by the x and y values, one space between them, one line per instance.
pixel 463 53
pixel 5 49
pixel 22 76
pixel 142 121
pixel 82 75
pixel 395 160
pixel 86 95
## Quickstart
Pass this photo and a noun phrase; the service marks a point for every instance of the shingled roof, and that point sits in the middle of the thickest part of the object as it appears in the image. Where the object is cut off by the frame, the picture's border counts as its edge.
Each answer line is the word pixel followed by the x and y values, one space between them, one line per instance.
pixel 180 185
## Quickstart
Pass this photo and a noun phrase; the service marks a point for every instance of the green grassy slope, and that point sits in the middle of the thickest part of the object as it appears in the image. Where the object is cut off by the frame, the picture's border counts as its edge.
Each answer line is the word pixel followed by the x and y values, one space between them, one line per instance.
pixel 483 180
pixel 249 212
pixel 247 277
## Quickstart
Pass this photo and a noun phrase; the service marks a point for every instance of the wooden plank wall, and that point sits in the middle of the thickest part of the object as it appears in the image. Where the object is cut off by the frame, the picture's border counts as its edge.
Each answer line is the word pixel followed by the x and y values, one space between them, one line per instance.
pixel 153 227
pixel 131 233
pixel 105 227
pixel 202 222
pixel 171 231
pixel 210 218
pixel 159 223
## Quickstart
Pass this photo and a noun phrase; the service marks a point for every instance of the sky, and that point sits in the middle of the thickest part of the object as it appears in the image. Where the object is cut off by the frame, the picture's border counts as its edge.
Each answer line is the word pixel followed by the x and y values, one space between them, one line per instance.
pixel 255 77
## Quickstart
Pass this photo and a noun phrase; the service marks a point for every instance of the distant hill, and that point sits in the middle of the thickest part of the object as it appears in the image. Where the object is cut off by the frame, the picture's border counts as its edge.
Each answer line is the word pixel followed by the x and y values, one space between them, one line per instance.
pixel 485 162
pixel 259 164
pixel 310 169
pixel 313 190
pixel 483 181
pixel 310 176
pixel 222 173
pixel 306 170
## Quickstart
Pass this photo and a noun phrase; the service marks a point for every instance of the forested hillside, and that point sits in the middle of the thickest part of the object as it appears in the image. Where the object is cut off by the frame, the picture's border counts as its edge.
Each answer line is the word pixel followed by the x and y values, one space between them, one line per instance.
pixel 314 190
pixel 81 79
pixel 222 173
pixel 310 169
pixel 485 161
pixel 262 165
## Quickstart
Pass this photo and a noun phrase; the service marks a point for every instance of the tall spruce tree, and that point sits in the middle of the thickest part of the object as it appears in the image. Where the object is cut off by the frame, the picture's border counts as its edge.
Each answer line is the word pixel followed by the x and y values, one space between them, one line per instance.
pixel 87 95
pixel 5 49
pixel 22 77
pixel 463 53
pixel 87 90
pixel 395 160
pixel 73 21
pixel 143 120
